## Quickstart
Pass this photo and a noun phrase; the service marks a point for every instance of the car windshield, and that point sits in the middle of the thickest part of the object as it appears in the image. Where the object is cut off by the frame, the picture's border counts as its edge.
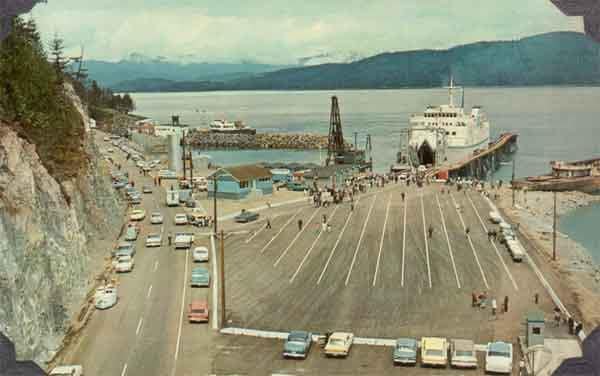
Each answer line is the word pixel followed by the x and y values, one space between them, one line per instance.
pixel 295 346
pixel 124 260
pixel 465 353
pixel 405 348
pixel 432 352
pixel 336 342
pixel 501 354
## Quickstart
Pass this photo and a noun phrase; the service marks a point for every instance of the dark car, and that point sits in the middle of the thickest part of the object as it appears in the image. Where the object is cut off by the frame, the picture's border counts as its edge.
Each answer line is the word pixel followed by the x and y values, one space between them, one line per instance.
pixel 246 216
pixel 297 344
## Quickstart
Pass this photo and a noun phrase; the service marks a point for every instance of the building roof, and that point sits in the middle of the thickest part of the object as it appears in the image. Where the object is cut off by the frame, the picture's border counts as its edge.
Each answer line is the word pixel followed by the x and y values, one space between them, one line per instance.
pixel 246 172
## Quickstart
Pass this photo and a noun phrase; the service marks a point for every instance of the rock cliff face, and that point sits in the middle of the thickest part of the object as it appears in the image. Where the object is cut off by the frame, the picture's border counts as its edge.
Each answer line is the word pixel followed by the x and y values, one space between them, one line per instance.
pixel 51 237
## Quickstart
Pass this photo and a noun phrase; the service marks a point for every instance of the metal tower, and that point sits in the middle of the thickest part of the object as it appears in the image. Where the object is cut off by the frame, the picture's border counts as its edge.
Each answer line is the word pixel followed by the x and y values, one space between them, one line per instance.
pixel 335 145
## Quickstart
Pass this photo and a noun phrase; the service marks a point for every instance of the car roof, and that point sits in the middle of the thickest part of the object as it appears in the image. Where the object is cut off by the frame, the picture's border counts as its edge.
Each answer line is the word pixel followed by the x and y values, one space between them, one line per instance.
pixel 124 244
pixel 463 344
pixel 342 335
pixel 199 270
pixel 199 304
pixel 201 248
pixel 298 333
pixel 434 342
pixel 157 213
pixel 406 341
pixel 181 215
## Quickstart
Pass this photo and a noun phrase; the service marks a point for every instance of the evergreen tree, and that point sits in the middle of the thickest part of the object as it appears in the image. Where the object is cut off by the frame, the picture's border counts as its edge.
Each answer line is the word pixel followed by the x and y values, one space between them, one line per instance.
pixel 59 61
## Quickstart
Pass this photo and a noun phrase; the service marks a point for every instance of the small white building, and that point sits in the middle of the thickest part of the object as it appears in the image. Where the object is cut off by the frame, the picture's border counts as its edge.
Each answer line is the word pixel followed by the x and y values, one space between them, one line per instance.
pixel 562 169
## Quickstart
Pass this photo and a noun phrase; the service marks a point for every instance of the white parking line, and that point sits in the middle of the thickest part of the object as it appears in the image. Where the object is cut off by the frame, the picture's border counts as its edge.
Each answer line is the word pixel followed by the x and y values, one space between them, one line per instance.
pixel 510 276
pixel 404 239
pixel 314 243
pixel 426 243
pixel 307 224
pixel 362 234
pixel 336 244
pixel 470 242
pixel 448 240
pixel 149 292
pixel 139 327
pixel 124 372
pixel 280 230
pixel 255 234
pixel 387 212
pixel 185 279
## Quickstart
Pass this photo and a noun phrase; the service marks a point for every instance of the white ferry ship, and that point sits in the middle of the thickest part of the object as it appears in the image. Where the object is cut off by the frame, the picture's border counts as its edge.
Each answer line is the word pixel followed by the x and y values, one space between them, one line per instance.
pixel 224 126
pixel 446 134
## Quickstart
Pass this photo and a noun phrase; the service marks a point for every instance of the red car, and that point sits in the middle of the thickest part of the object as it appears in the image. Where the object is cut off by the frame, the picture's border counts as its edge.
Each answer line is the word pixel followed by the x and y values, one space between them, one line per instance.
pixel 198 311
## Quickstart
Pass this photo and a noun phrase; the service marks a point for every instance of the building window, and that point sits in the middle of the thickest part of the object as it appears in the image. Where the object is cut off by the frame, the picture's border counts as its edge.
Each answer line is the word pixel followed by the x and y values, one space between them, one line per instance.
pixel 244 184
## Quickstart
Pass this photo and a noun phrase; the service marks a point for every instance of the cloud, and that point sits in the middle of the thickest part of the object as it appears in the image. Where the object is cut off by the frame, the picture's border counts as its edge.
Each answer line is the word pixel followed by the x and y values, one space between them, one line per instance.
pixel 282 32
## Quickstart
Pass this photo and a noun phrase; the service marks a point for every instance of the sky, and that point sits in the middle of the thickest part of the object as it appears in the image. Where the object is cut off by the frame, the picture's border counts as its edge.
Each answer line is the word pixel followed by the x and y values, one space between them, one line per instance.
pixel 281 32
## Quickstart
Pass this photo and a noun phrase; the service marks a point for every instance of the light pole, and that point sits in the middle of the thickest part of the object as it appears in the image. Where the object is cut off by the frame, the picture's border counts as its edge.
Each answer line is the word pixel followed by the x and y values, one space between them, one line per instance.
pixel 215 203
pixel 554 230
pixel 222 263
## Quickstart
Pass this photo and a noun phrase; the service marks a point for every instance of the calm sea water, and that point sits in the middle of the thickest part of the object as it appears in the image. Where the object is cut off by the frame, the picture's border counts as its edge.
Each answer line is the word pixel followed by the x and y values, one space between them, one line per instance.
pixel 553 123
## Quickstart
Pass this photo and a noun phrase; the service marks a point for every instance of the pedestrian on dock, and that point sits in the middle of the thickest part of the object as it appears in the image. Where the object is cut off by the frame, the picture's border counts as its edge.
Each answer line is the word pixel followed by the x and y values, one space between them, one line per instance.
pixel 536 298
pixel 467 230
pixel 170 238
pixel 403 195
pixel 328 227
pixel 430 230
pixel 159 180
pixel 557 315
pixel 494 307
pixel 299 225
pixel 474 299
pixel 352 206
pixel 268 227
pixel 324 227
pixel 505 303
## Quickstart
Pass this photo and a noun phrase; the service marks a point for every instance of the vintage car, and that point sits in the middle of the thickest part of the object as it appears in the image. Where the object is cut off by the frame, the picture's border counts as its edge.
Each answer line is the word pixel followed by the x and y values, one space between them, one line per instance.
pixel 154 240
pixel 200 254
pixel 200 277
pixel 405 351
pixel 499 357
pixel 181 219
pixel 105 297
pixel 198 311
pixel 297 344
pixel 137 215
pixel 339 344
pixel 131 234
pixel 434 352
pixel 124 264
pixel 462 353
pixel 124 249
pixel 146 189
pixel 156 218
pixel 246 216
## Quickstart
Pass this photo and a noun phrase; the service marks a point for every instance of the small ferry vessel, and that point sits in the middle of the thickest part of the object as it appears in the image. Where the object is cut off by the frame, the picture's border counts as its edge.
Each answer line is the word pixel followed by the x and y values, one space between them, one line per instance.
pixel 446 134
pixel 224 126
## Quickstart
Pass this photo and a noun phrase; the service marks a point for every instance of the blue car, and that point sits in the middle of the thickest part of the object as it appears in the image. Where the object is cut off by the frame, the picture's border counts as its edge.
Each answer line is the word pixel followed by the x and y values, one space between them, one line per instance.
pixel 297 344
pixel 405 351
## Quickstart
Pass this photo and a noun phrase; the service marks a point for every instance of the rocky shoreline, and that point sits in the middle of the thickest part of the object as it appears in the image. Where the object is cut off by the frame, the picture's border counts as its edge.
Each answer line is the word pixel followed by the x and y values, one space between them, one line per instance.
pixel 534 212
pixel 204 139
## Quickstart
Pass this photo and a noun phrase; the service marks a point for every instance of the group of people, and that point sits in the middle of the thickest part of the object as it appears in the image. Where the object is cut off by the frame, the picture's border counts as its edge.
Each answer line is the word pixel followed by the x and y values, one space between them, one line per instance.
pixel 480 300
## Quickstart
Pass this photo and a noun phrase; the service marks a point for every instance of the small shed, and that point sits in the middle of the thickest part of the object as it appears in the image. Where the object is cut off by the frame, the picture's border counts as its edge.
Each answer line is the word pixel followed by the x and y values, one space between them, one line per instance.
pixel 238 182
pixel 535 328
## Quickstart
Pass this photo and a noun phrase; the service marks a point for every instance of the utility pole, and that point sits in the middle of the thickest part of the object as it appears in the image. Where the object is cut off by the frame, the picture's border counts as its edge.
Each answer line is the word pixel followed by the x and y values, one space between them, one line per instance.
pixel 554 230
pixel 355 140
pixel 183 155
pixel 215 202
pixel 222 262
pixel 191 170
pixel 512 182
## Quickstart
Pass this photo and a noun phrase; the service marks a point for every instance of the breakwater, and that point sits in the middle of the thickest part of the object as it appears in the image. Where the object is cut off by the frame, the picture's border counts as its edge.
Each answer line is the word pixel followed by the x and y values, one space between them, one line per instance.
pixel 297 141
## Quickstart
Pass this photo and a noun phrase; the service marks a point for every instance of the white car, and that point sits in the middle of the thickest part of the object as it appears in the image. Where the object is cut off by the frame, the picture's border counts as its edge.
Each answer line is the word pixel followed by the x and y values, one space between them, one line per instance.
pixel 181 219
pixel 156 218
pixel 105 297
pixel 462 353
pixel 154 240
pixel 495 217
pixel 74 370
pixel 499 357
pixel 200 254
pixel 339 344
pixel 137 215
pixel 124 264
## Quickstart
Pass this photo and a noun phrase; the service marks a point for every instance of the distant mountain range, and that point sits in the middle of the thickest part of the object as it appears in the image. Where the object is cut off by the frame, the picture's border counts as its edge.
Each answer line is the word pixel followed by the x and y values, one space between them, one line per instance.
pixel 560 58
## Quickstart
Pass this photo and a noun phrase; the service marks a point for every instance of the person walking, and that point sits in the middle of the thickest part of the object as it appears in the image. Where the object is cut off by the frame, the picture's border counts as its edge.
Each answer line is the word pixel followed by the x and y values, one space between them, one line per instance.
pixel 494 307
pixel 467 231
pixel 536 298
pixel 557 316
pixel 268 227
pixel 328 227
pixel 403 194
pixel 430 230
pixel 505 303
pixel 474 299
pixel 170 238
pixel 299 225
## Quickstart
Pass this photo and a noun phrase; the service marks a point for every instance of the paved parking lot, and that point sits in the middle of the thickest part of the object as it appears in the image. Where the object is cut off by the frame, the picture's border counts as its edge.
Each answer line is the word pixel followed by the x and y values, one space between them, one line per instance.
pixel 378 273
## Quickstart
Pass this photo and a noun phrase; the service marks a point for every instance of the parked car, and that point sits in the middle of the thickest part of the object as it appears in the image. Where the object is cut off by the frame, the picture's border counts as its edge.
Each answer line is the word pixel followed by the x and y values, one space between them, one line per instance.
pixel 297 344
pixel 181 219
pixel 495 217
pixel 184 240
pixel 405 351
pixel 154 240
pixel 137 215
pixel 124 249
pixel 462 353
pixel 156 218
pixel 200 254
pixel 434 351
pixel 339 344
pixel 200 277
pixel 105 297
pixel 198 311
pixel 296 186
pixel 146 189
pixel 499 357
pixel 246 216
pixel 135 199
pixel 118 184
pixel 131 234
pixel 124 264
pixel 71 370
